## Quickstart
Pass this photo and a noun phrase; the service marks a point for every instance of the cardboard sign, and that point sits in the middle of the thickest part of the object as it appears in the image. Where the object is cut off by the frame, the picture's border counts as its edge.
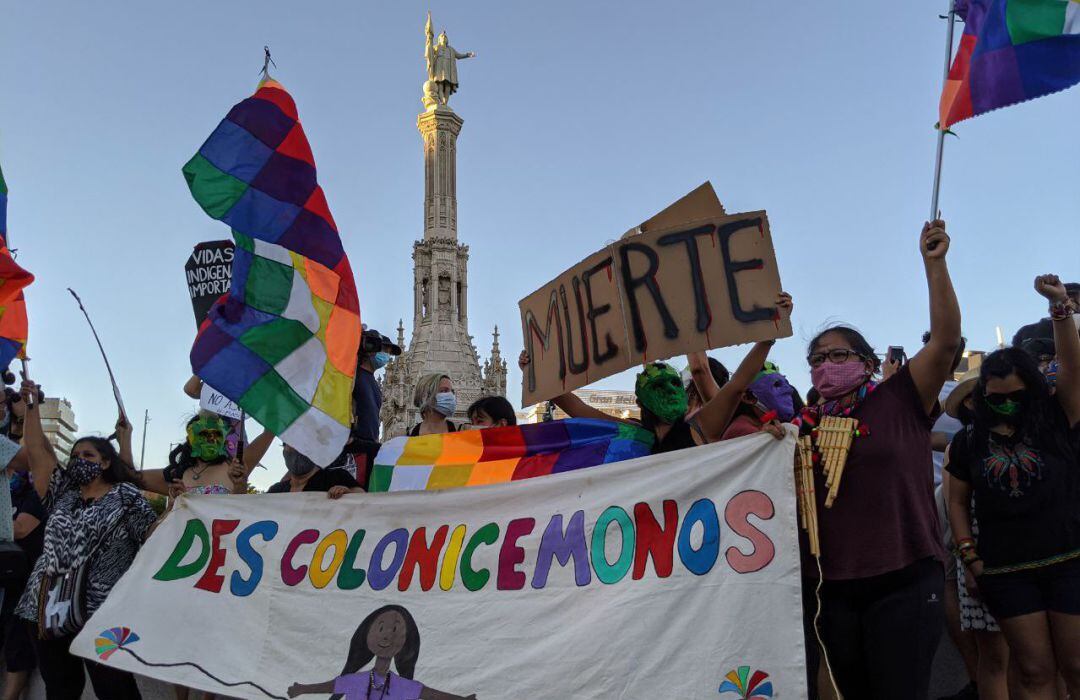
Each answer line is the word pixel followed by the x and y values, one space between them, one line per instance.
pixel 216 402
pixel 669 576
pixel 209 275
pixel 669 290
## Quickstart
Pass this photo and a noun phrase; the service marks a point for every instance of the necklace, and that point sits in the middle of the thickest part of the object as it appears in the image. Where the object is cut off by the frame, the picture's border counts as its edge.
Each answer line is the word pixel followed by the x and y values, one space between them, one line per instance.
pixel 384 688
pixel 195 475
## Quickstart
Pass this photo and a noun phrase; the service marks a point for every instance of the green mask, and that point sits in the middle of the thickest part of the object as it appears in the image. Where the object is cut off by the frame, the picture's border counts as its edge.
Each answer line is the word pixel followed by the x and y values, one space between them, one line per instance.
pixel 659 388
pixel 207 438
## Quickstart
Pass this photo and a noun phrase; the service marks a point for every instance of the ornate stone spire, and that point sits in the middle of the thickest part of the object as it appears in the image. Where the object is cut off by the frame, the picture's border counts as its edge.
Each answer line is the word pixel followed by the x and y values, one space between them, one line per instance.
pixel 440 339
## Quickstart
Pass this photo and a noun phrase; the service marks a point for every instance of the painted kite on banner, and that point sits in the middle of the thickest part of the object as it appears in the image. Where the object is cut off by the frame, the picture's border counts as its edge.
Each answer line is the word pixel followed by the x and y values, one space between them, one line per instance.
pixel 669 576
pixel 283 343
pixel 14 325
pixel 499 455
pixel 1011 51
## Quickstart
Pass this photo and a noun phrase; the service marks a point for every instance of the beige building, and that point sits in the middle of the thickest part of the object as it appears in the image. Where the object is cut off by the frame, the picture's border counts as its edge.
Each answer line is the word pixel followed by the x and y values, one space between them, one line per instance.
pixel 58 423
pixel 615 403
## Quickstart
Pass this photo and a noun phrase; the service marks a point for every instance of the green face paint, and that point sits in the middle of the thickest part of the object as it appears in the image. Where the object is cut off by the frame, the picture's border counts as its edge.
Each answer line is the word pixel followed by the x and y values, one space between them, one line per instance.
pixel 207 438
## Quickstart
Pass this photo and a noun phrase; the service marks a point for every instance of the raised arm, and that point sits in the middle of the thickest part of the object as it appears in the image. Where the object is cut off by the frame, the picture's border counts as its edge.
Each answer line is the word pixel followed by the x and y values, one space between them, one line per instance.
pixel 1066 344
pixel 123 437
pixel 193 387
pixel 932 365
pixel 701 375
pixel 256 450
pixel 41 458
pixel 714 416
pixel 569 402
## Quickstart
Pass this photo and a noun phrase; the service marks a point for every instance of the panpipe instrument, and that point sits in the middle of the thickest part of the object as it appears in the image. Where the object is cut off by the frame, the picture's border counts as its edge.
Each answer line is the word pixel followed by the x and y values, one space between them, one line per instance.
pixel 833 436
pixel 804 488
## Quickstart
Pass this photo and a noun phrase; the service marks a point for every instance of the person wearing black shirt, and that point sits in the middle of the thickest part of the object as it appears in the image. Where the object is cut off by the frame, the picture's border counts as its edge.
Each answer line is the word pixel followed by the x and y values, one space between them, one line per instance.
pixel 375 351
pixel 1020 459
pixel 304 475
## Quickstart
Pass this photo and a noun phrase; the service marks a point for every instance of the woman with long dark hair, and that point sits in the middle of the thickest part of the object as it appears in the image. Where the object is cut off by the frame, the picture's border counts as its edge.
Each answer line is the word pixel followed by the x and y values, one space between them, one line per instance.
pixel 881 551
pixel 98 519
pixel 1020 460
pixel 388 634
pixel 201 464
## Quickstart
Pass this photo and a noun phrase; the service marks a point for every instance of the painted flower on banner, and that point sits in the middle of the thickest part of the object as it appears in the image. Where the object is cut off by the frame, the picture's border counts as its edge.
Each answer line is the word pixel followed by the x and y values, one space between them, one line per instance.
pixel 112 639
pixel 747 686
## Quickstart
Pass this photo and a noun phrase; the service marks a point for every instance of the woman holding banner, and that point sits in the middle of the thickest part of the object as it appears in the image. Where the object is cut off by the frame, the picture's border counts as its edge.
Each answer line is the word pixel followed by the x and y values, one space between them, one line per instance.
pixel 881 552
pixel 98 520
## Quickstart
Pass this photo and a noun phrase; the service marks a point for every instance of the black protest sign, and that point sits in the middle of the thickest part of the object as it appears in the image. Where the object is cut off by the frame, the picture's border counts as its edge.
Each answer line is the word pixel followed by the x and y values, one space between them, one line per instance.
pixel 702 284
pixel 209 275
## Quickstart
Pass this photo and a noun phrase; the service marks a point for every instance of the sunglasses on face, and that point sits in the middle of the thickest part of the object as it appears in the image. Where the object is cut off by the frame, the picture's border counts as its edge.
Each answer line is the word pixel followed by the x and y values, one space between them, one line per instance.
pixel 837 357
pixel 999 399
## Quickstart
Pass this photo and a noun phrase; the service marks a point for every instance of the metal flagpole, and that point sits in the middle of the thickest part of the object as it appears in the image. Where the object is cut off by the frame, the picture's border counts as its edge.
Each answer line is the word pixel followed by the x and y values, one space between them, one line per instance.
pixel 142 454
pixel 934 209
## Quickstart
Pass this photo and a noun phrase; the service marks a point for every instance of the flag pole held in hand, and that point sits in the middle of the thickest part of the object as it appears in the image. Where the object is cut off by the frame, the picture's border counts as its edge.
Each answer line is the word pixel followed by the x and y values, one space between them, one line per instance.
pixel 108 367
pixel 941 128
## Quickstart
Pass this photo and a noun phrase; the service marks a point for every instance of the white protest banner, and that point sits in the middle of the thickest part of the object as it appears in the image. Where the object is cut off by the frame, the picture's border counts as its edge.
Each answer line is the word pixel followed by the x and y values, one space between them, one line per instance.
pixel 669 576
pixel 216 402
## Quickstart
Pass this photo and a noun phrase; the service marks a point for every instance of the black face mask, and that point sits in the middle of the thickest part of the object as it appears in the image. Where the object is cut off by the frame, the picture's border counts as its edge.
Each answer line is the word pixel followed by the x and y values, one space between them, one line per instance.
pixel 298 464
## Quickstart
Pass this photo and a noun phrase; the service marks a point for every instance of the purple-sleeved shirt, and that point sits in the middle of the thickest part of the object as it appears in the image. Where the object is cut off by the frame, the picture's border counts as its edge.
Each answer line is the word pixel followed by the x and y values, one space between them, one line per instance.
pixel 354 686
pixel 884 517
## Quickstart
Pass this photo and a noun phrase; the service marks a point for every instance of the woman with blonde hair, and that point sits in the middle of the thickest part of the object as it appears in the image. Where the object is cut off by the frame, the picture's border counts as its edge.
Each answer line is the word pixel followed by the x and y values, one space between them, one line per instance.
pixel 434 396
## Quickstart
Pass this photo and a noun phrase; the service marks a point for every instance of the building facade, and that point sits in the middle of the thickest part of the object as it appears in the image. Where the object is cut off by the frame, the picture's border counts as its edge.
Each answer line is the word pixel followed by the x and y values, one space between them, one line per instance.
pixel 440 329
pixel 58 424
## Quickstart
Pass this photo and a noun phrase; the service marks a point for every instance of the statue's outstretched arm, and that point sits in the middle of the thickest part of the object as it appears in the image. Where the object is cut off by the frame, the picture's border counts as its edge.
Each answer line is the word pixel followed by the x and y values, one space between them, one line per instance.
pixel 467 54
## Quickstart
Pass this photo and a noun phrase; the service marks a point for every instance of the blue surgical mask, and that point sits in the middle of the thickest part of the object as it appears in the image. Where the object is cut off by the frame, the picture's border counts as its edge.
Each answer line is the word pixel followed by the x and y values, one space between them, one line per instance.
pixel 380 359
pixel 445 403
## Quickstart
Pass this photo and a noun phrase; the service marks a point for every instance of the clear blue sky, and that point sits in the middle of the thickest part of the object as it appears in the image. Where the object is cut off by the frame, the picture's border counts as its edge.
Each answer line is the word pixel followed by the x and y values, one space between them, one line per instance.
pixel 581 119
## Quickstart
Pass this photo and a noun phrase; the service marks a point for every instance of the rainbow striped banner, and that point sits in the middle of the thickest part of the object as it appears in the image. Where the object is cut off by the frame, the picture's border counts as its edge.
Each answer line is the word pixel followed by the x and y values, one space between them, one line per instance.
pixel 500 455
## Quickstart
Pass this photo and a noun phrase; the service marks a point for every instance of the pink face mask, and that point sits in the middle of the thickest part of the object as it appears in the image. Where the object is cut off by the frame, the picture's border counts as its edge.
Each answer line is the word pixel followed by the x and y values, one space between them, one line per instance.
pixel 834 380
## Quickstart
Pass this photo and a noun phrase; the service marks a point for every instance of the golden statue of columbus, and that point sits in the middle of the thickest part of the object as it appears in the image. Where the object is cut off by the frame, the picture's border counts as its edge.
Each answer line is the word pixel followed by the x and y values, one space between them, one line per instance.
pixel 441 67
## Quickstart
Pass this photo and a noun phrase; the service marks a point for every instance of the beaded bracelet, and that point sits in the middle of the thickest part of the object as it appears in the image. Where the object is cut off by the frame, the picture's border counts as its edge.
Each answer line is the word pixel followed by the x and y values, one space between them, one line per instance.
pixel 1061 310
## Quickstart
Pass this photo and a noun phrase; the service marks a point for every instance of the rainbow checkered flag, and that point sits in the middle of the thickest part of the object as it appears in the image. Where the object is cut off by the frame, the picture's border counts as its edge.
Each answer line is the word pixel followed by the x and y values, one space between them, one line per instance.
pixel 14 325
pixel 282 344
pixel 1011 51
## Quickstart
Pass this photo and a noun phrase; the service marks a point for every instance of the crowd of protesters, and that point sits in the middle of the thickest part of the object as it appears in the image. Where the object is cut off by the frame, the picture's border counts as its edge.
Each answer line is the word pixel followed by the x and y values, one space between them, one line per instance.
pixel 960 511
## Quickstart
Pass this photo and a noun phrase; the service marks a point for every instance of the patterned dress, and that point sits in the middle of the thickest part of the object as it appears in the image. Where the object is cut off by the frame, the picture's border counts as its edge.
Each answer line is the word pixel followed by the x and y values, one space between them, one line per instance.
pixel 107 532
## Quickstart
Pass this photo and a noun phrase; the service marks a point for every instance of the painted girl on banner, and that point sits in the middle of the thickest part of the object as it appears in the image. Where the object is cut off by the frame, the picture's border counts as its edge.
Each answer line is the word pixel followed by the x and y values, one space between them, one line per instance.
pixel 389 633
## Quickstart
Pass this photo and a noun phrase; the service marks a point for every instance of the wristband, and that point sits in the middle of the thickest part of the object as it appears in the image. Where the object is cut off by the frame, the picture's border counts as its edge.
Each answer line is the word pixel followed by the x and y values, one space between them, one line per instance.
pixel 1061 310
pixel 965 543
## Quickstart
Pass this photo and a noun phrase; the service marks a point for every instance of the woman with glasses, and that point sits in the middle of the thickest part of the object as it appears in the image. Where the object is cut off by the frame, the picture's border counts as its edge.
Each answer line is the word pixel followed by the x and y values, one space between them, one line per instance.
pixel 881 551
pixel 1020 460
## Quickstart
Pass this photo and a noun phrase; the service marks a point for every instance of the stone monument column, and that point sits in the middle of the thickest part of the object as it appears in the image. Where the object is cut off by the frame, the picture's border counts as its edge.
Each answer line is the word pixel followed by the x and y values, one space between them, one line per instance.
pixel 440 338
pixel 439 127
